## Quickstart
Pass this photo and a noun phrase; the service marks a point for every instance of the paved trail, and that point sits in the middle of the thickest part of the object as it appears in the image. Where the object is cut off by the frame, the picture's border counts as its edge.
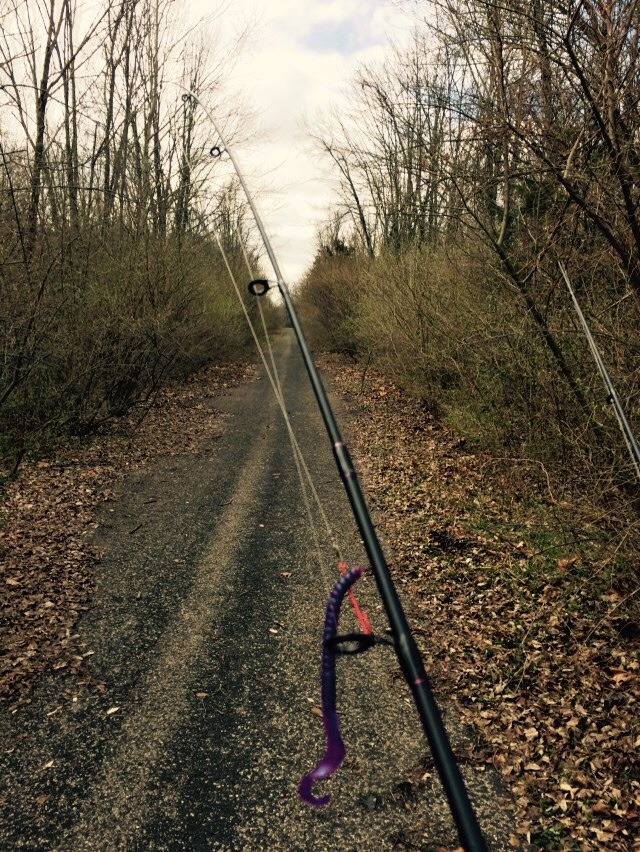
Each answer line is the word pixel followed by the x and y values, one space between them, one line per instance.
pixel 206 631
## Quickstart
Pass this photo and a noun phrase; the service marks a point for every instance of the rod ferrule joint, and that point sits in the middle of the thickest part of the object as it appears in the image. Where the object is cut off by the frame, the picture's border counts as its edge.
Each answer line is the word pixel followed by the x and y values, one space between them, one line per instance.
pixel 343 459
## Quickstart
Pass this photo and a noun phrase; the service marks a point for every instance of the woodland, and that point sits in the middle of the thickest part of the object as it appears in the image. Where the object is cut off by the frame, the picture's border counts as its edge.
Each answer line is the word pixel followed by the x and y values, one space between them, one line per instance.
pixel 504 141
pixel 473 168
pixel 500 148
pixel 111 283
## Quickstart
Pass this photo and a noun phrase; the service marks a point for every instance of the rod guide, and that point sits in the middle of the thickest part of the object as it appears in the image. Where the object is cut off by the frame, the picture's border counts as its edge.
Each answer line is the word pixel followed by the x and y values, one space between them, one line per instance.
pixel 258 287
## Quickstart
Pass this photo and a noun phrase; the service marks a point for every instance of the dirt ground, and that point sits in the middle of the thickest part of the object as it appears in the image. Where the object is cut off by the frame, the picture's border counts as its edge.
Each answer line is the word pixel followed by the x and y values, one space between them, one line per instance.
pixel 523 596
pixel 161 643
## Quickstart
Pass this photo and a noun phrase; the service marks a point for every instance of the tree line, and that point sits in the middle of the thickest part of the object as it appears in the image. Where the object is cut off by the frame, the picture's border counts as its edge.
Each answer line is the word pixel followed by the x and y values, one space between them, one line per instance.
pixel 506 138
pixel 109 281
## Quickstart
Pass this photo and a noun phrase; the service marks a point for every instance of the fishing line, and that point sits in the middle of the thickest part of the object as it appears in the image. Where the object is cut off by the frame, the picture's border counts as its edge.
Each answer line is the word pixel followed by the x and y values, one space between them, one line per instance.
pixel 292 437
pixel 274 379
pixel 301 466
pixel 277 390
pixel 404 642
pixel 361 615
pixel 612 396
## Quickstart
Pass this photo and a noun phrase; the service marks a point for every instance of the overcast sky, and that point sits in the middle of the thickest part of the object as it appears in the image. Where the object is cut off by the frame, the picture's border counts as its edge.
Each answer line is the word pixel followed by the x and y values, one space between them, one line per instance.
pixel 299 59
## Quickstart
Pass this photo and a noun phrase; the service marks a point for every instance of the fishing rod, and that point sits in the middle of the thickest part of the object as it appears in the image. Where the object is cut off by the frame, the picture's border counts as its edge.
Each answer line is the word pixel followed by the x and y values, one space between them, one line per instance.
pixel 404 643
pixel 612 396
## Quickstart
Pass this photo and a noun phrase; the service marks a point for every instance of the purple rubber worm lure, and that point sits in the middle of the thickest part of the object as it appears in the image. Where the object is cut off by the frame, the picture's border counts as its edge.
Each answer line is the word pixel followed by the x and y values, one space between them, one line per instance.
pixel 335 750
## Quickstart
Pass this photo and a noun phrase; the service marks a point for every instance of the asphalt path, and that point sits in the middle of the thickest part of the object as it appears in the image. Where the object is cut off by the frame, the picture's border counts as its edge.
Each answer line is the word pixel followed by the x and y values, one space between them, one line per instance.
pixel 206 629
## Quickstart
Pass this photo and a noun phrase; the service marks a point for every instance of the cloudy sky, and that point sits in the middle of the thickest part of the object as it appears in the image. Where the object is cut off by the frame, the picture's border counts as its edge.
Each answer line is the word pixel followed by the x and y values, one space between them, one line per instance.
pixel 297 62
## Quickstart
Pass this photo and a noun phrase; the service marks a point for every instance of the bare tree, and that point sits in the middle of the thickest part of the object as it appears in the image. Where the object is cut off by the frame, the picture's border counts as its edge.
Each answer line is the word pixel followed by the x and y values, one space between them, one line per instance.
pixel 105 177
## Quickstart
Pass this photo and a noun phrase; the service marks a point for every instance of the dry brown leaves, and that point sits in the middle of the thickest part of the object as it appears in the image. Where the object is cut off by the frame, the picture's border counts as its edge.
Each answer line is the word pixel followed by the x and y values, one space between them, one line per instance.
pixel 48 513
pixel 516 621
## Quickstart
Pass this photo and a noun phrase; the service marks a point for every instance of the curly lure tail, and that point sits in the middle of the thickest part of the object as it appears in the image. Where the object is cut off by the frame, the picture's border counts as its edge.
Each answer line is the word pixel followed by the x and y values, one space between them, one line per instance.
pixel 335 749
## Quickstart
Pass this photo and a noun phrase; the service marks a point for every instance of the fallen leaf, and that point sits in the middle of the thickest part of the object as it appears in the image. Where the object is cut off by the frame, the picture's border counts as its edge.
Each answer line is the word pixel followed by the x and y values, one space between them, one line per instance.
pixel 112 710
pixel 621 677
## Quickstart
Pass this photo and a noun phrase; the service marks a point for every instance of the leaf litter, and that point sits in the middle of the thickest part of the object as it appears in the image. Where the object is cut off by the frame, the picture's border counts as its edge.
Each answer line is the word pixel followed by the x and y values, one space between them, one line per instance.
pixel 47 515
pixel 517 612
pixel 540 653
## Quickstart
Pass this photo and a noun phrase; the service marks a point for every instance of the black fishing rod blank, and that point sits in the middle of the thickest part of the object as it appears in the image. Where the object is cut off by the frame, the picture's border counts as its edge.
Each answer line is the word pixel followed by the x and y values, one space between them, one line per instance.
pixel 404 643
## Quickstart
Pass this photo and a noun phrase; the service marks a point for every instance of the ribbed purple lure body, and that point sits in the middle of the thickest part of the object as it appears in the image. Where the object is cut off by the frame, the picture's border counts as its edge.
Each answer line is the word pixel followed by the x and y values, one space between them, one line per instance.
pixel 335 750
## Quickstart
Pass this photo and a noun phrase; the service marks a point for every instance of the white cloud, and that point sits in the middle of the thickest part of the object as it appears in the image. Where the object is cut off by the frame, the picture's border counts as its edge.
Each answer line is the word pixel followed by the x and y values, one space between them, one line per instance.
pixel 298 61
